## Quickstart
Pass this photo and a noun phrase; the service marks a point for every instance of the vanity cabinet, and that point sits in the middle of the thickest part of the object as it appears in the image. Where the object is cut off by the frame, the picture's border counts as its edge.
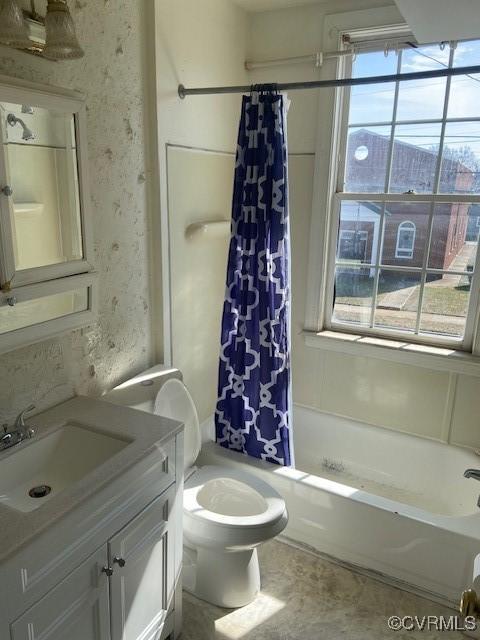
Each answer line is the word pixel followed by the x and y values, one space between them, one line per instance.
pixel 102 560
pixel 118 593
pixel 77 609
pixel 141 577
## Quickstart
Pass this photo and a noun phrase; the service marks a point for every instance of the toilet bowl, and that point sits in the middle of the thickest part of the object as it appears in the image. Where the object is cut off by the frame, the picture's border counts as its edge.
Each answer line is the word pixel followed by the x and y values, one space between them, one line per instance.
pixel 227 513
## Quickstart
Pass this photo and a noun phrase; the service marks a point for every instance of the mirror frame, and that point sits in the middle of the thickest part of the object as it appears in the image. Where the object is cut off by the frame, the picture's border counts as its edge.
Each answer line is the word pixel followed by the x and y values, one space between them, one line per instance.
pixel 44 96
pixel 35 283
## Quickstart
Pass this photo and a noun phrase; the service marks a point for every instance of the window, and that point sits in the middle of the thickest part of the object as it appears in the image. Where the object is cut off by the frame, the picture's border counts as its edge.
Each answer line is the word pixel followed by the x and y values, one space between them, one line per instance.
pixel 46 277
pixel 405 240
pixel 407 186
pixel 352 245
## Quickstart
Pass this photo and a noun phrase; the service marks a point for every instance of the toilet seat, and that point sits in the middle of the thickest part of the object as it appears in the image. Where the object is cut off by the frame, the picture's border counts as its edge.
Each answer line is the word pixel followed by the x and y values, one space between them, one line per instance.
pixel 267 506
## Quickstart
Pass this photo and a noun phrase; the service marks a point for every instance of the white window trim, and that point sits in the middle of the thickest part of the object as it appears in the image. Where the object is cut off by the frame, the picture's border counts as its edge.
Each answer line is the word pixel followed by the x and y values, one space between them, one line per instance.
pixel 400 252
pixel 322 246
pixel 34 283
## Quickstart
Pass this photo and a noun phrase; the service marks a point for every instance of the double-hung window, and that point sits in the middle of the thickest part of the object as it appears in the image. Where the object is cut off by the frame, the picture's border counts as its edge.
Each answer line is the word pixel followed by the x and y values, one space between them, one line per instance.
pixel 403 257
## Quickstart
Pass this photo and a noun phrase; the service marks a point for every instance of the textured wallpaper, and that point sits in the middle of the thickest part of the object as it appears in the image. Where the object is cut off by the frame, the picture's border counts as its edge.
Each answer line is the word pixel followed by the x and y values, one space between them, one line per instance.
pixel 113 75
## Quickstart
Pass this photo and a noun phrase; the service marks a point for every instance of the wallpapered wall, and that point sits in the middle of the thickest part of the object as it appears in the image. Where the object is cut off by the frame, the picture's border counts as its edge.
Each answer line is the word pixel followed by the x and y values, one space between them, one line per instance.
pixel 113 77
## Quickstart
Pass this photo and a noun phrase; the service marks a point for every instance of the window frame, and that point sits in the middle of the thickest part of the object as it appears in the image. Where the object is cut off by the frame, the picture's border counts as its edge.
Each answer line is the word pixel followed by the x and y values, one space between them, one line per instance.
pixel 320 290
pixel 34 283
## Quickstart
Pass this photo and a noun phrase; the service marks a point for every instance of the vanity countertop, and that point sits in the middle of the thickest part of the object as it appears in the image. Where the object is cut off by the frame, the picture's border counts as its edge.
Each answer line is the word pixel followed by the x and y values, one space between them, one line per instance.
pixel 143 432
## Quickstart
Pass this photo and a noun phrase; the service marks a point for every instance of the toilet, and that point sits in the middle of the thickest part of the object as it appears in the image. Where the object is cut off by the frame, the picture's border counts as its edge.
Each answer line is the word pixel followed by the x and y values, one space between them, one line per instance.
pixel 227 514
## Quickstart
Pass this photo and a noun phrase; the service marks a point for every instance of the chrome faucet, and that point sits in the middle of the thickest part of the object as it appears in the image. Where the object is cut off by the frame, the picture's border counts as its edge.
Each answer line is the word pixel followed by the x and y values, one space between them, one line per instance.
pixel 19 433
pixel 475 474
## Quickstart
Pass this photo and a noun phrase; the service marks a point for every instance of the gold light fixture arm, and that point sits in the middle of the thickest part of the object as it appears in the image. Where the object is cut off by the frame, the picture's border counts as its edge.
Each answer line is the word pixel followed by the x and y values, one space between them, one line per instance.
pixel 470 604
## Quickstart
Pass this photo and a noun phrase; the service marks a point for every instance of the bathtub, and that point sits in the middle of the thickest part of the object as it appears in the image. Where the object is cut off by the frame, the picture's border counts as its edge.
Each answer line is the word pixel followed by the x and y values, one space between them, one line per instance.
pixel 390 504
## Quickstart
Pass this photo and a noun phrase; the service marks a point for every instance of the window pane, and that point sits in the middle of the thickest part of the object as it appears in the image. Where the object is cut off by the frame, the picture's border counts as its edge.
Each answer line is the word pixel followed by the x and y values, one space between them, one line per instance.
pixel 397 300
pixel 374 102
pixel 405 233
pixel 454 236
pixel 353 295
pixel 415 155
pixel 460 172
pixel 358 232
pixel 422 99
pixel 467 53
pixel 464 99
pixel 30 312
pixel 367 158
pixel 445 304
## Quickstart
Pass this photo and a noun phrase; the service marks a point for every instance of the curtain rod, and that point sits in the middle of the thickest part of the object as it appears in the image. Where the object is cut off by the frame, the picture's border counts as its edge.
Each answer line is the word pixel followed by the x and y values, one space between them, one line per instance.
pixel 339 82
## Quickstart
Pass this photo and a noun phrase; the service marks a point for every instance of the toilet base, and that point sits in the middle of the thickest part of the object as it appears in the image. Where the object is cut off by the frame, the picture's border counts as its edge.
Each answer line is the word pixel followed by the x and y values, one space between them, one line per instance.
pixel 226 579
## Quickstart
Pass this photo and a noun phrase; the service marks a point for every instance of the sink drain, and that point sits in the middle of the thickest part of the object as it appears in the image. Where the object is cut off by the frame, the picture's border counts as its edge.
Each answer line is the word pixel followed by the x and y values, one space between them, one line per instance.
pixel 40 492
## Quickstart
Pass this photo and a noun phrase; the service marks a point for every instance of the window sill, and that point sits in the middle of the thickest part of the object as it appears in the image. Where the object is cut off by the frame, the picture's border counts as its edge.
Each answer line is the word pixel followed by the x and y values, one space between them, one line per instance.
pixel 438 358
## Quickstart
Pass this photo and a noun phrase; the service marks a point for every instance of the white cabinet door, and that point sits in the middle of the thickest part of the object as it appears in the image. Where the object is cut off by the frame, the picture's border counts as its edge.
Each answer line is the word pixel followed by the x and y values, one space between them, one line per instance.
pixel 76 609
pixel 139 585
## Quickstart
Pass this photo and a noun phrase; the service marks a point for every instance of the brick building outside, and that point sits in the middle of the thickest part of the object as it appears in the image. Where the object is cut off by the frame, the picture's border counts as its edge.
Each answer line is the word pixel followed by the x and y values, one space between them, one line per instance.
pixel 406 224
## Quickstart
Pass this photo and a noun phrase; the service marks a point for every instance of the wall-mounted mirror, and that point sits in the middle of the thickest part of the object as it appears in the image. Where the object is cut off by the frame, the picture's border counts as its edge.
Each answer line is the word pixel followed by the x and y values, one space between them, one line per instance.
pixel 44 221
pixel 41 164
pixel 43 202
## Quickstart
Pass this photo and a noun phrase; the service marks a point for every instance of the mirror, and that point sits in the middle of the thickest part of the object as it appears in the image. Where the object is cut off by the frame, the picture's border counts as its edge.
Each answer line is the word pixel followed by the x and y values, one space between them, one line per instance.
pixel 40 152
pixel 47 279
pixel 30 312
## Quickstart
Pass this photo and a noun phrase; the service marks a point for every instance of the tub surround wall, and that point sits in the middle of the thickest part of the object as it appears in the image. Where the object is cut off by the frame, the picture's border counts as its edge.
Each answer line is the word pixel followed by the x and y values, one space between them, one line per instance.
pixel 113 75
pixel 198 266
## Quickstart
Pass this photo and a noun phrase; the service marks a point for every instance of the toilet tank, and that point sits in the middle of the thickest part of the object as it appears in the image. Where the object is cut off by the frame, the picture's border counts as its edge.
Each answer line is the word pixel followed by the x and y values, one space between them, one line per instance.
pixel 140 391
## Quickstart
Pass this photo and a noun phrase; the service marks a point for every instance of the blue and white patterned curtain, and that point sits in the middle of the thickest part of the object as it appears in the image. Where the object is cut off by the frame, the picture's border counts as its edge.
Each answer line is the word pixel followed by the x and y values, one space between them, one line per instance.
pixel 253 408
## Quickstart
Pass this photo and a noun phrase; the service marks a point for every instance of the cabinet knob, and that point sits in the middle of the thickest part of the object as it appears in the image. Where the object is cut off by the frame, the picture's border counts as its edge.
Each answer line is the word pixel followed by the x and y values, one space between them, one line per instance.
pixel 108 571
pixel 120 561
pixel 7 190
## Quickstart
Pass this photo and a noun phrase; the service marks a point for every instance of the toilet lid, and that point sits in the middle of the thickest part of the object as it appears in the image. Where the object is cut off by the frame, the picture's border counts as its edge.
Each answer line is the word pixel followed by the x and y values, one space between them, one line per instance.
pixel 174 401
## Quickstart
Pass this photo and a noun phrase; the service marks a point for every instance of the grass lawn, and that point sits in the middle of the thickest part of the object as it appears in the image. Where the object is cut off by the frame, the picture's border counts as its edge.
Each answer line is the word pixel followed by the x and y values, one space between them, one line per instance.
pixel 437 298
pixel 444 303
pixel 447 301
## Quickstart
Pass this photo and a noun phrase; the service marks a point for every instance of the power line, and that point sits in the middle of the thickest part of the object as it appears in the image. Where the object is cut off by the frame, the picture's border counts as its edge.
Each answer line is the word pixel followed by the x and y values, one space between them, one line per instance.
pixel 443 64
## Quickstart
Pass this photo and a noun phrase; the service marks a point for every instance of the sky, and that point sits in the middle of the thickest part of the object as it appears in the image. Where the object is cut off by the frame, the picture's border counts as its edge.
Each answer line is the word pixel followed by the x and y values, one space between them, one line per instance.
pixel 420 99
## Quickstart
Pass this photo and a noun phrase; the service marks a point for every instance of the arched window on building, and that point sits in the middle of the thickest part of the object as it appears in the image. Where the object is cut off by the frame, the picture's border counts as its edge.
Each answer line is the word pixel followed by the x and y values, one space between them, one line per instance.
pixel 405 240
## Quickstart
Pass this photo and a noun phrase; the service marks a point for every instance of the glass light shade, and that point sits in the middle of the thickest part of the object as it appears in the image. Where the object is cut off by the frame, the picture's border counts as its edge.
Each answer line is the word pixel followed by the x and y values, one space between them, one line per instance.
pixel 13 30
pixel 61 40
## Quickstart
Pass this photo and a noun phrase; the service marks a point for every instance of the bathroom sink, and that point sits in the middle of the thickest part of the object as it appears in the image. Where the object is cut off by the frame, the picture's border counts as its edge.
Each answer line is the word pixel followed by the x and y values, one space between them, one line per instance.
pixel 45 466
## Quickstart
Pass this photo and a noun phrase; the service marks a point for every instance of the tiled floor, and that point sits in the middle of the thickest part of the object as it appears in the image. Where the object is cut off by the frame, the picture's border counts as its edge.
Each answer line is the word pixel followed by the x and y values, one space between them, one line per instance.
pixel 304 597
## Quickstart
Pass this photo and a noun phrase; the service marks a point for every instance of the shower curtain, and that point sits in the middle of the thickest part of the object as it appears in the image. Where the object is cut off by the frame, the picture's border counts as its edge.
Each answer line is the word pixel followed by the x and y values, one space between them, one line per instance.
pixel 254 400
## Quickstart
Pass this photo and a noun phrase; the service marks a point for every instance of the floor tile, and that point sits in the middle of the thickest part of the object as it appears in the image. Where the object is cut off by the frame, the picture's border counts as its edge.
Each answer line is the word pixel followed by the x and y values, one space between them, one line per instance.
pixel 305 597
